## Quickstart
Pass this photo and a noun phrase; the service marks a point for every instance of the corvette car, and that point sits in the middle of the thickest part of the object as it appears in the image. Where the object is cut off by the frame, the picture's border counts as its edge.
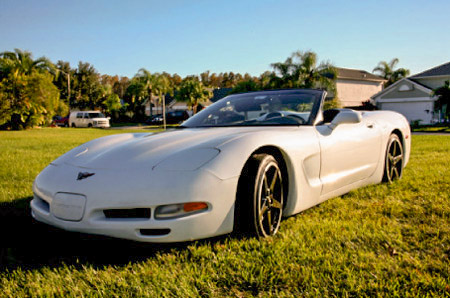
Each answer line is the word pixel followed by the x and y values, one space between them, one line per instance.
pixel 242 164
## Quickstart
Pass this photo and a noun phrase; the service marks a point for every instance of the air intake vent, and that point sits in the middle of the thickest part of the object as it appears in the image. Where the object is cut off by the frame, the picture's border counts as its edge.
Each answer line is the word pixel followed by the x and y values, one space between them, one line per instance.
pixel 41 203
pixel 154 232
pixel 127 213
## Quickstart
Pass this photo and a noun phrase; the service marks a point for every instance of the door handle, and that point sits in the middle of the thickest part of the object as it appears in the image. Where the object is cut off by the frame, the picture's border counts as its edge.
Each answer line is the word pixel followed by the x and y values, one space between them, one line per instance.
pixel 369 125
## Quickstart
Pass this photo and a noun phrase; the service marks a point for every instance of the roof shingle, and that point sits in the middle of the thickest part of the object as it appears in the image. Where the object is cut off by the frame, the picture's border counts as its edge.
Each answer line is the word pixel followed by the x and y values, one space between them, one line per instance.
pixel 441 70
pixel 356 74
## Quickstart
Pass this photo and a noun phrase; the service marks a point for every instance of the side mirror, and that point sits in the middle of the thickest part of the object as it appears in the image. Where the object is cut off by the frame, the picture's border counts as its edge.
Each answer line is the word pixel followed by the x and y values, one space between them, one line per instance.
pixel 345 117
pixel 109 118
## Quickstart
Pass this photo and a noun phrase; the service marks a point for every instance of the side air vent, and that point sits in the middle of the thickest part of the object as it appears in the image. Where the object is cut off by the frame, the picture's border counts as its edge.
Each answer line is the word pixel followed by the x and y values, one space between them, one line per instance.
pixel 136 213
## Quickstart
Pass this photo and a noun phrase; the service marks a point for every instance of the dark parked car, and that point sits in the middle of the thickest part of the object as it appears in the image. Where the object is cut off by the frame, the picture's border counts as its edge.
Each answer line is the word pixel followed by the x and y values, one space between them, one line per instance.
pixel 173 117
pixel 61 121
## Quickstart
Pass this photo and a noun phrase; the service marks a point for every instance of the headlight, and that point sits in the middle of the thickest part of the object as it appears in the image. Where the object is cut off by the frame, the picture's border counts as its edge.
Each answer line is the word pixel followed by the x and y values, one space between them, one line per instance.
pixel 188 160
pixel 179 210
pixel 95 122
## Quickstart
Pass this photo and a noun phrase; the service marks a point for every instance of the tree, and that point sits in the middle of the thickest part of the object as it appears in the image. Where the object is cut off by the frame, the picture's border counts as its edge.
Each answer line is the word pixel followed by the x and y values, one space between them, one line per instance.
pixel 28 100
pixel 386 70
pixel 21 63
pixel 161 87
pixel 246 86
pixel 148 80
pixel 443 101
pixel 135 96
pixel 300 70
pixel 87 90
pixel 193 93
pixel 64 80
pixel 27 94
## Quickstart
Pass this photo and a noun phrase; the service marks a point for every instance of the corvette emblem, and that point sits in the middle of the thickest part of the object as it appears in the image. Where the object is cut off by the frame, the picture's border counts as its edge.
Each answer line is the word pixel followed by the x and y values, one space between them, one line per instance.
pixel 84 175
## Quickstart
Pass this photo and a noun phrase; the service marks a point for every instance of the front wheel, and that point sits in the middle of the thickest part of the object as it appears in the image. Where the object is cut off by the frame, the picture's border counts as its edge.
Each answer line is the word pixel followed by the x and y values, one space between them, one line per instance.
pixel 393 166
pixel 261 198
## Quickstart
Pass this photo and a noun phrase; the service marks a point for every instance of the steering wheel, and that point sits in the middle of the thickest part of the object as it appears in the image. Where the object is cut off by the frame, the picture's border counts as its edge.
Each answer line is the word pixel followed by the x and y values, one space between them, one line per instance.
pixel 297 117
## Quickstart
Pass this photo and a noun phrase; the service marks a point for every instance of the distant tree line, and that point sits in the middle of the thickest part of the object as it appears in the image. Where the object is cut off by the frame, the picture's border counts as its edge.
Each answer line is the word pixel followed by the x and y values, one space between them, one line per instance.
pixel 33 91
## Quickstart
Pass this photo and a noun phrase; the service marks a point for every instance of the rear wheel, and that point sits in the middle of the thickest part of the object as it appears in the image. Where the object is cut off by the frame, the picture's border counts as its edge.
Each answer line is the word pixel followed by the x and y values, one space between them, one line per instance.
pixel 73 125
pixel 393 166
pixel 260 197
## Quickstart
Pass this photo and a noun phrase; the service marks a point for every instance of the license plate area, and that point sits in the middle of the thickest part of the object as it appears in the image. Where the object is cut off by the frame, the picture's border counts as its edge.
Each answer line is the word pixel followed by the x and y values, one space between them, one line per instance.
pixel 68 206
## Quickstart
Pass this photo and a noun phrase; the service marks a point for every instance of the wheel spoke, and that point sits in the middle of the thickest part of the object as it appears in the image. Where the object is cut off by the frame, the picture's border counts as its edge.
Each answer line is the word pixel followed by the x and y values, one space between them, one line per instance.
pixel 396 172
pixel 391 172
pixel 263 211
pixel 266 184
pixel 276 204
pixel 269 220
pixel 274 181
pixel 390 157
pixel 397 159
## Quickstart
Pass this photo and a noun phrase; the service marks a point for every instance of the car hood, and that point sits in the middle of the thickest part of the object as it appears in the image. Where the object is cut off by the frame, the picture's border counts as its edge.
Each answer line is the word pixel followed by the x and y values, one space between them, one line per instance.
pixel 131 151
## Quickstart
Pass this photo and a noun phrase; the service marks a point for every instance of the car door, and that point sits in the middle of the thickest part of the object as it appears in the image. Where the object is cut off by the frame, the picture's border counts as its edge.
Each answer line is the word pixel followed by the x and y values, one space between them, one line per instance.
pixel 86 120
pixel 349 153
pixel 79 120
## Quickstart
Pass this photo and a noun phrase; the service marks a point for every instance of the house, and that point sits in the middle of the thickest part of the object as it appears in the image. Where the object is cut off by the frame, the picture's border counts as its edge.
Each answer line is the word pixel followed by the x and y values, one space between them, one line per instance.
pixel 356 86
pixel 412 96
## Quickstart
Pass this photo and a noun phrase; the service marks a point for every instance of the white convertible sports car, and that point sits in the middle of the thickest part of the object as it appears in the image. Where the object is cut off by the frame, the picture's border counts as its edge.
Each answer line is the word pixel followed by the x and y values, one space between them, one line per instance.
pixel 243 163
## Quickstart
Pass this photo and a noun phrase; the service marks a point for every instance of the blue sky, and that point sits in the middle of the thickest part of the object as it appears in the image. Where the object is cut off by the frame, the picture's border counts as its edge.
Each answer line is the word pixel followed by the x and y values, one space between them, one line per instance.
pixel 189 37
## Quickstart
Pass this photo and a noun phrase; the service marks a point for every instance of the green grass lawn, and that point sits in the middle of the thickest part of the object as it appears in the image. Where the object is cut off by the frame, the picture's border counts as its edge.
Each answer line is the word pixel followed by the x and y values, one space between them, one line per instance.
pixel 437 129
pixel 381 240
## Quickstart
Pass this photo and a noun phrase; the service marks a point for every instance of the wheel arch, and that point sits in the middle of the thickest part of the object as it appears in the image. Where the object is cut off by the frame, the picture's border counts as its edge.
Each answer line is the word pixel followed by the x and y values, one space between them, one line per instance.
pixel 283 161
pixel 400 136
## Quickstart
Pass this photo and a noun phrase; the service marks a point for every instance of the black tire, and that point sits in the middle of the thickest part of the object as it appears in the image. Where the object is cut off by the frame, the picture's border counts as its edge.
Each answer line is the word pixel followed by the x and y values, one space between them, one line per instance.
pixel 73 125
pixel 393 164
pixel 90 125
pixel 66 124
pixel 260 197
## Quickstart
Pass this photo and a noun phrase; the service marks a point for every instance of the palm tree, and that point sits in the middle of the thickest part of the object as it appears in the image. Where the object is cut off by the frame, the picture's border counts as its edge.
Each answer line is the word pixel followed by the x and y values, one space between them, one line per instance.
pixel 301 70
pixel 21 63
pixel 193 93
pixel 148 80
pixel 161 87
pixel 443 101
pixel 386 70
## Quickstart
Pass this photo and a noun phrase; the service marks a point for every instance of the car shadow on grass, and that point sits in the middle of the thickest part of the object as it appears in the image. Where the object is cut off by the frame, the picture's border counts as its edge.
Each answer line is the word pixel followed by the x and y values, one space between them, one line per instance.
pixel 28 244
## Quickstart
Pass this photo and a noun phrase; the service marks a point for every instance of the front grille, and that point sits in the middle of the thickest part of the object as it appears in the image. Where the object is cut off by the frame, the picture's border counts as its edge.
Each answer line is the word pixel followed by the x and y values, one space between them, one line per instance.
pixel 127 213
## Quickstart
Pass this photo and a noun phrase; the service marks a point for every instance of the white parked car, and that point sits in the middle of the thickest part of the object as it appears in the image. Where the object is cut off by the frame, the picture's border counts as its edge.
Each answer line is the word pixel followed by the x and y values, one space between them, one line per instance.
pixel 88 119
pixel 242 163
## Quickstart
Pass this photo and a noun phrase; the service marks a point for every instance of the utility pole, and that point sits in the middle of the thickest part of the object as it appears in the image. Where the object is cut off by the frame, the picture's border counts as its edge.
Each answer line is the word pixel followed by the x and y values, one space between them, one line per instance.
pixel 163 97
pixel 68 83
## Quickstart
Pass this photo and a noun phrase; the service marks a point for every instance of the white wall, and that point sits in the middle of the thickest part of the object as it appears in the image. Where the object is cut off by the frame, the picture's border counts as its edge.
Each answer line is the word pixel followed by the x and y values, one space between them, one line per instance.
pixel 354 93
pixel 433 83
pixel 413 110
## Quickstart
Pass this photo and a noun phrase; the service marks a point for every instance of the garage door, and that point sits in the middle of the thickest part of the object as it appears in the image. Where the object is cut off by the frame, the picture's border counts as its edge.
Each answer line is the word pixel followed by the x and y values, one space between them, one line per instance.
pixel 411 110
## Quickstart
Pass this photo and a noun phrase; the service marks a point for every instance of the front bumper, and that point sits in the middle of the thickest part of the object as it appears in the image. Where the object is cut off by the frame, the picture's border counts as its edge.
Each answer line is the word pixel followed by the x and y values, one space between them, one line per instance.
pixel 101 125
pixel 109 189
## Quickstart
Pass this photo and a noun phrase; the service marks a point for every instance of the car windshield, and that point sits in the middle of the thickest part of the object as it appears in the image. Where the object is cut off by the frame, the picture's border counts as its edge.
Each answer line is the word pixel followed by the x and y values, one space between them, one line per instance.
pixel 283 107
pixel 96 115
